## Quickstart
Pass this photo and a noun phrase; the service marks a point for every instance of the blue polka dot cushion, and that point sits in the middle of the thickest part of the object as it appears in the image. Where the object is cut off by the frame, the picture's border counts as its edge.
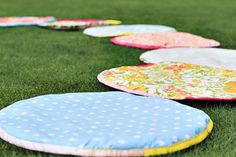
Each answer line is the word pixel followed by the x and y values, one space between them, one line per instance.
pixel 103 124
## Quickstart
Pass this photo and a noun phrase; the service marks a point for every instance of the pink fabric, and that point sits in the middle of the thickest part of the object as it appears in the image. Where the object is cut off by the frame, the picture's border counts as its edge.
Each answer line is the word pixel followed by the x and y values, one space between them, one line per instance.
pixel 164 40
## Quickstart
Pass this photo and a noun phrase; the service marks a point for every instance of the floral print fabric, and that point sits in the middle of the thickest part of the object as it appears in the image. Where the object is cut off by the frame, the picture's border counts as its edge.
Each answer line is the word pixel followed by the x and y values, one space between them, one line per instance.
pixel 173 80
pixel 77 24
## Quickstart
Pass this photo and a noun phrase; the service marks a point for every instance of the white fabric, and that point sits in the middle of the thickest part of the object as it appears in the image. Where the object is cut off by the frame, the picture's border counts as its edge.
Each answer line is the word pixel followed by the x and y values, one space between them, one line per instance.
pixel 215 57
pixel 110 31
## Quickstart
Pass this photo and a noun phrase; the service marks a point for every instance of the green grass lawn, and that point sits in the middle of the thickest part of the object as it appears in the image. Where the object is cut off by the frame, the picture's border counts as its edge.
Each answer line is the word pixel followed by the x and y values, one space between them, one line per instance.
pixel 36 61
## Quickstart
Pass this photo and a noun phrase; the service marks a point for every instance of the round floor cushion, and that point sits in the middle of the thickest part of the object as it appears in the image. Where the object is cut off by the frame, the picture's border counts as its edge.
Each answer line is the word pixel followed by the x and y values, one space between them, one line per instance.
pixel 173 80
pixel 164 40
pixel 111 31
pixel 103 124
pixel 23 21
pixel 215 57
pixel 63 24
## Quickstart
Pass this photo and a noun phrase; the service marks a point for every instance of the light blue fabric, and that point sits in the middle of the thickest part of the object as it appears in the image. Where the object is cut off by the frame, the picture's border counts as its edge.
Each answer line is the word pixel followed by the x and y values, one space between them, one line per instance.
pixel 113 120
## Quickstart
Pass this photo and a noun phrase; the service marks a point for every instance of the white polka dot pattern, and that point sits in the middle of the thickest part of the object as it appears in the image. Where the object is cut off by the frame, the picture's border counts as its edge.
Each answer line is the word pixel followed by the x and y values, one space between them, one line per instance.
pixel 107 120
